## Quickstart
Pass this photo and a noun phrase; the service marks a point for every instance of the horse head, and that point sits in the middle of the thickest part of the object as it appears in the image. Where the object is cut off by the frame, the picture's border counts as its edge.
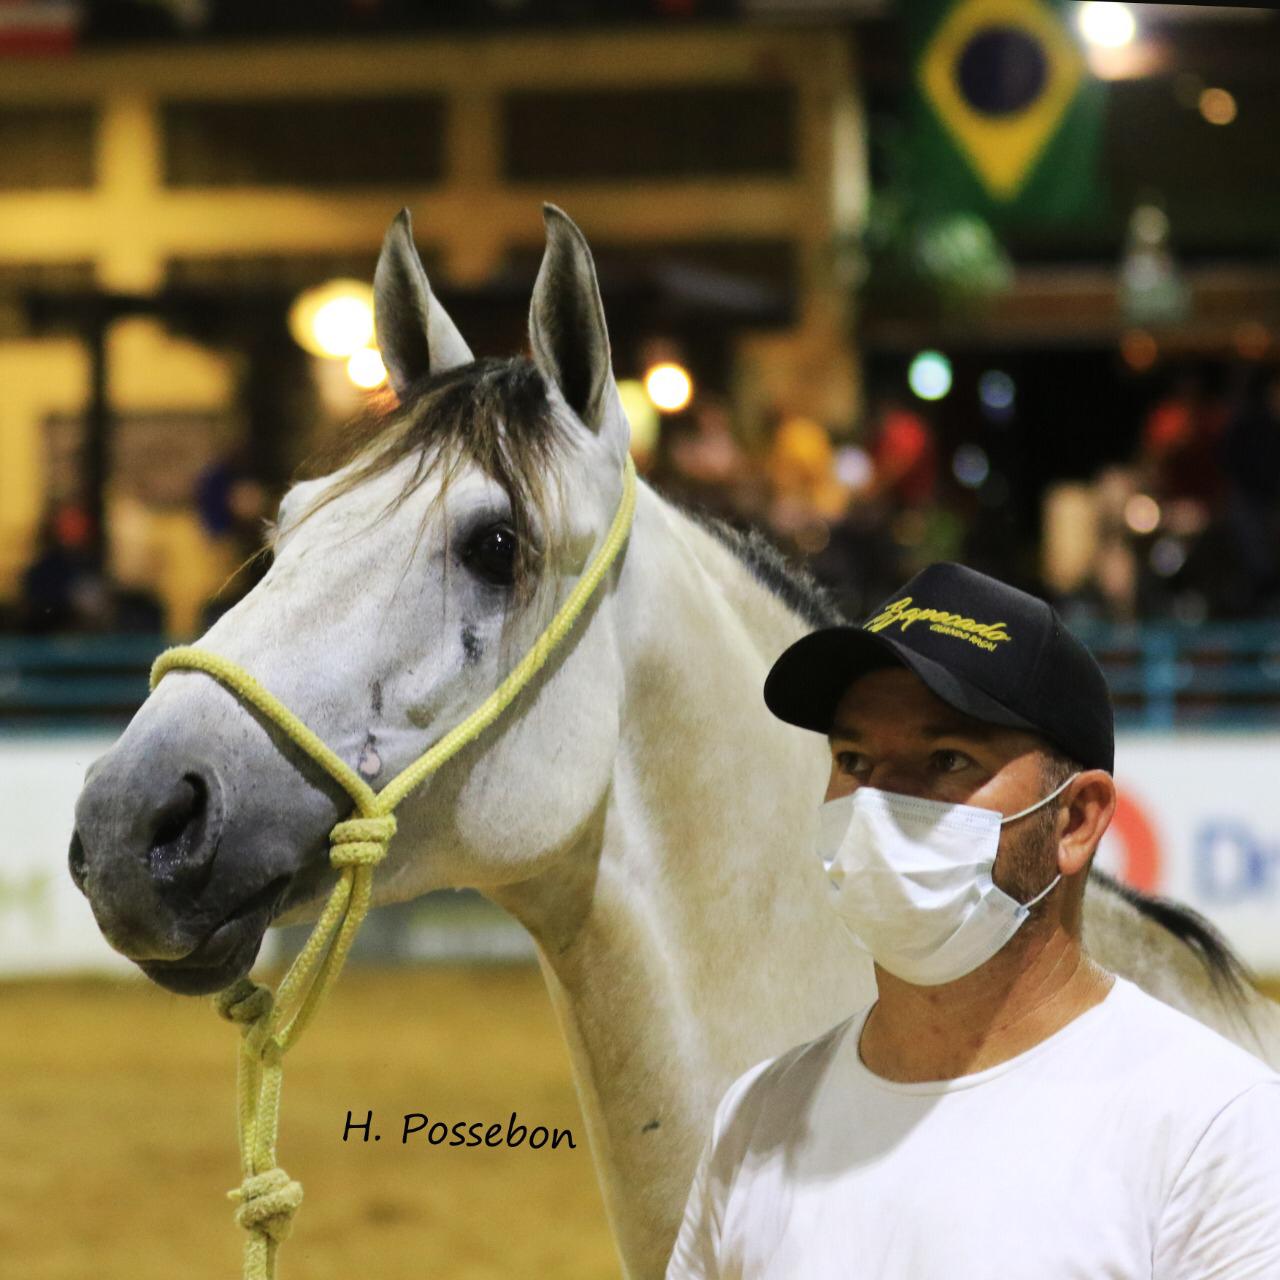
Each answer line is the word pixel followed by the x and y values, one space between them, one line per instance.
pixel 405 585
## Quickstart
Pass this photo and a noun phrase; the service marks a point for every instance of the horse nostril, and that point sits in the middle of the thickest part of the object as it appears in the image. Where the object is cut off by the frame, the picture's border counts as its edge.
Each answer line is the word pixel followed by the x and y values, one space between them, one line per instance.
pixel 77 861
pixel 180 846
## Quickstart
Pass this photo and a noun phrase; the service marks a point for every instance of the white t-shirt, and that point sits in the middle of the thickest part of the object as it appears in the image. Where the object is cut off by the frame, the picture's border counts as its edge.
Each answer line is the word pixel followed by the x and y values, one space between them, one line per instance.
pixel 1134 1144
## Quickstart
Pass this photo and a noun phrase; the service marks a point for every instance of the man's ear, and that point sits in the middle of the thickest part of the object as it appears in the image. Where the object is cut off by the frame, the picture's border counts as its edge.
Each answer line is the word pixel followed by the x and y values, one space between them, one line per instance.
pixel 415 335
pixel 1090 804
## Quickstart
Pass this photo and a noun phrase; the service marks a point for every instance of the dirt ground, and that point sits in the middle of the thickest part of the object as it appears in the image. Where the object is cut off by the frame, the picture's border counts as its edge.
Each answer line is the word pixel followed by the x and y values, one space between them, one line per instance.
pixel 117 1134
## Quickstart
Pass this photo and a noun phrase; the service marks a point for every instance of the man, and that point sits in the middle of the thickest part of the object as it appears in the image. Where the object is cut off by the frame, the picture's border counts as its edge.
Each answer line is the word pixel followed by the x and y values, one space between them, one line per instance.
pixel 1006 1109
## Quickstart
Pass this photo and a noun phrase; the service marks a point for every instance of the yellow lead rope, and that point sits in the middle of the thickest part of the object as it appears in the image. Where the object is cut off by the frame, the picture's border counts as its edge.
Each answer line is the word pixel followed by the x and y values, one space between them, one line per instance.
pixel 269 1023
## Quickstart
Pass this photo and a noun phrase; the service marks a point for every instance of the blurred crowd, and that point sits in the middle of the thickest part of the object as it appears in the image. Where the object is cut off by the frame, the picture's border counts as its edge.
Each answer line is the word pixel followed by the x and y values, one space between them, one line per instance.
pixel 156 572
pixel 1188 528
pixel 1191 528
pixel 857 511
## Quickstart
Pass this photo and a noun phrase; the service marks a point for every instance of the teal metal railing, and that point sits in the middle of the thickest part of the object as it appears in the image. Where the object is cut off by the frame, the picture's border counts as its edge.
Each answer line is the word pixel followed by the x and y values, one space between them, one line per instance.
pixel 50 681
pixel 1213 676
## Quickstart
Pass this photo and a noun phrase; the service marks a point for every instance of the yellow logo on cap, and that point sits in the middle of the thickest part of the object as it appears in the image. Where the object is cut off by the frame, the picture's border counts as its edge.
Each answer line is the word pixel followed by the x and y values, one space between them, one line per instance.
pixel 986 635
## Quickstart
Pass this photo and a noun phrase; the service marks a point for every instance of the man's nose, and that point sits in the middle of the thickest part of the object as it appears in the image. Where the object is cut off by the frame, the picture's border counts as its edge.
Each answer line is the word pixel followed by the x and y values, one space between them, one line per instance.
pixel 898 777
pixel 887 775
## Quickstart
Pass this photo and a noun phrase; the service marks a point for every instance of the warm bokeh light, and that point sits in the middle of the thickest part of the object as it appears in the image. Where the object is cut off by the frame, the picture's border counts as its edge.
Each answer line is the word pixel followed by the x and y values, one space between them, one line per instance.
pixel 334 320
pixel 1217 106
pixel 1138 350
pixel 1142 513
pixel 669 387
pixel 342 326
pixel 930 375
pixel 1133 61
pixel 365 368
pixel 1110 25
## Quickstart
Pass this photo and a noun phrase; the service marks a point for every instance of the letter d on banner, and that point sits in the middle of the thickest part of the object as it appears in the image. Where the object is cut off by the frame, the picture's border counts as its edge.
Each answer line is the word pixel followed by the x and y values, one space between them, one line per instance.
pixel 1230 864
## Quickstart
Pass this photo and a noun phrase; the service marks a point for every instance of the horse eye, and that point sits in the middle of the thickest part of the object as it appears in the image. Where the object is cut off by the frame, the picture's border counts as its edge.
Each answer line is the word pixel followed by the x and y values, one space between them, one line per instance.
pixel 491 555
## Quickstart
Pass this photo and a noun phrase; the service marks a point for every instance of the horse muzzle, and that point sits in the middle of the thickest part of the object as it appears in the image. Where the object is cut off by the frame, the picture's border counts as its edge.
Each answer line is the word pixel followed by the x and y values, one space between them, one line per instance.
pixel 168 885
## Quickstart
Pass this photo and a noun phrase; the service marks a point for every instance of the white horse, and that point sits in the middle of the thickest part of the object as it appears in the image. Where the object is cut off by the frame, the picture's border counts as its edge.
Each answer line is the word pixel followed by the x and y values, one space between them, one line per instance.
pixel 637 809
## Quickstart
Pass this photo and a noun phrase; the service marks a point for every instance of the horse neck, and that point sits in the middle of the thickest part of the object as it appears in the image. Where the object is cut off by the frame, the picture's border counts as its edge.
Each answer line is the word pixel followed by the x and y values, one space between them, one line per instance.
pixel 681 941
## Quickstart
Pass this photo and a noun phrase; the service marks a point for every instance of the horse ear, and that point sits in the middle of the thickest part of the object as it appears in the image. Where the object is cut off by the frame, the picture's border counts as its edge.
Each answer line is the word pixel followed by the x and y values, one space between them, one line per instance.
pixel 567 330
pixel 415 334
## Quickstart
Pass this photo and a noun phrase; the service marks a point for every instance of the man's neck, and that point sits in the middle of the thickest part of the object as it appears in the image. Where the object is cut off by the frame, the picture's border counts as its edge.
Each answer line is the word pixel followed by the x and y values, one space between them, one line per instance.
pixel 1022 996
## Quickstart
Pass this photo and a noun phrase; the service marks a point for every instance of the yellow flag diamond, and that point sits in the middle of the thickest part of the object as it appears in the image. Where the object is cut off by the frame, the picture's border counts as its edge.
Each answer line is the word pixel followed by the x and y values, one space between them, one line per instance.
pixel 1000 74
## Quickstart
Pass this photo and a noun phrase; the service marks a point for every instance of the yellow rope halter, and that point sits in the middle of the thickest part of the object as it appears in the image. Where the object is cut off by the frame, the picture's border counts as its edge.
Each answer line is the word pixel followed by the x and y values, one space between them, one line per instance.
pixel 269 1023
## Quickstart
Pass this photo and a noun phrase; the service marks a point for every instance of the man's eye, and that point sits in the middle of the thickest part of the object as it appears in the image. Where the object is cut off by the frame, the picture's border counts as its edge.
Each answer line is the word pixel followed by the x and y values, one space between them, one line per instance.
pixel 850 762
pixel 950 761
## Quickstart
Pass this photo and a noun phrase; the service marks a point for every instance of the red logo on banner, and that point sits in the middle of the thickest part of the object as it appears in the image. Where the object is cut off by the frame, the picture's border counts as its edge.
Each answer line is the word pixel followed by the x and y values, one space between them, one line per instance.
pixel 1139 848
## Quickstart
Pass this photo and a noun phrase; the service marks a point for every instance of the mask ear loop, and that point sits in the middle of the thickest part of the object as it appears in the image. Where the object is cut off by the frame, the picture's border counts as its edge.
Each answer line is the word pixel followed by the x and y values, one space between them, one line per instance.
pixel 1044 893
pixel 1040 804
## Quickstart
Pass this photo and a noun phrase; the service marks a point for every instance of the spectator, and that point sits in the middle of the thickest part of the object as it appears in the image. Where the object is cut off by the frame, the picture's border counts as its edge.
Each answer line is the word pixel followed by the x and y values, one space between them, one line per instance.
pixel 63 589
pixel 904 455
pixel 802 479
pixel 1181 442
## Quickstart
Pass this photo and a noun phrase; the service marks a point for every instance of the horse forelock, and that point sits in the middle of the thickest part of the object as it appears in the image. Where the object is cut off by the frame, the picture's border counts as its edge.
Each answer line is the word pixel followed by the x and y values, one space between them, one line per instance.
pixel 494 414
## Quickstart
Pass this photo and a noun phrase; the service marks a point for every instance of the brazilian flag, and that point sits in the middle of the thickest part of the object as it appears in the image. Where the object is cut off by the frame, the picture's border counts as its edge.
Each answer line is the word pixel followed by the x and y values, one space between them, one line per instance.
pixel 1006 119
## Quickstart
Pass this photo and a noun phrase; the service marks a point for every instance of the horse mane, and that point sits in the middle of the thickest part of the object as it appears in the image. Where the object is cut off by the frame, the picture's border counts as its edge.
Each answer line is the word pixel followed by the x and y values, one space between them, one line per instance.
pixel 792 583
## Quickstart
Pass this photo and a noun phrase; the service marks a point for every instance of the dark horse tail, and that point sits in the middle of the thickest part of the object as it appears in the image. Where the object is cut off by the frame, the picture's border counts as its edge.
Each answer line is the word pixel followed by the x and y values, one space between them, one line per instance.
pixel 1227 971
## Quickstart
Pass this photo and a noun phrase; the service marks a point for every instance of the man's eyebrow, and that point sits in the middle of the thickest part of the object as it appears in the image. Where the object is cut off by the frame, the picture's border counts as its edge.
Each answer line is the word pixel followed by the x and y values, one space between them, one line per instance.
pixel 961 726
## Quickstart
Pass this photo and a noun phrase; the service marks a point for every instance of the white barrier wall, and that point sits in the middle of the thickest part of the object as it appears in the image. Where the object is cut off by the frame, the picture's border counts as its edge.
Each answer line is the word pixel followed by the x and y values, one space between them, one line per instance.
pixel 45 922
pixel 1199 820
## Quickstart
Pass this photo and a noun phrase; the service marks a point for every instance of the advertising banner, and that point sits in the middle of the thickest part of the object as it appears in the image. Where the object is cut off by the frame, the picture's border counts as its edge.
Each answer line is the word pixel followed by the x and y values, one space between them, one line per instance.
pixel 1199 821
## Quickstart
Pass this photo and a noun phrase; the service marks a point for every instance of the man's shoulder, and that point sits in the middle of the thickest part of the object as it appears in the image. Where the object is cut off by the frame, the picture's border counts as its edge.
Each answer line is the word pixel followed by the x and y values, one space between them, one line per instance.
pixel 786 1081
pixel 1161 1043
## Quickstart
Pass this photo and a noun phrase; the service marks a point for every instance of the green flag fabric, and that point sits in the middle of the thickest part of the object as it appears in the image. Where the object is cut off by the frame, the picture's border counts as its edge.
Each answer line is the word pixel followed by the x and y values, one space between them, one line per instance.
pixel 1006 120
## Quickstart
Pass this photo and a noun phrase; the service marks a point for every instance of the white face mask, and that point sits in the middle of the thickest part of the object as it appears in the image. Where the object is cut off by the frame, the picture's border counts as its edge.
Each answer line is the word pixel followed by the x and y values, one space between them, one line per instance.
pixel 911 879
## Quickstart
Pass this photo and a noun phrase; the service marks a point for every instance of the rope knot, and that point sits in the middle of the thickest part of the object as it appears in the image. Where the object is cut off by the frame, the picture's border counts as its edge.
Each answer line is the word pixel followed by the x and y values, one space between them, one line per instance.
pixel 361 841
pixel 268 1202
pixel 245 1002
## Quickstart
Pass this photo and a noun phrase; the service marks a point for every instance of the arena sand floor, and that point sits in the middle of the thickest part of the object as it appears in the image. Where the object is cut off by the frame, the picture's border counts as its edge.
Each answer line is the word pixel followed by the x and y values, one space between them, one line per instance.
pixel 117 1134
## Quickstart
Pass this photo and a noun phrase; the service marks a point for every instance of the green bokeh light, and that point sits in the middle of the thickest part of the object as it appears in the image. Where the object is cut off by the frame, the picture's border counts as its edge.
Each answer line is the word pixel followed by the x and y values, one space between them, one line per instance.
pixel 930 375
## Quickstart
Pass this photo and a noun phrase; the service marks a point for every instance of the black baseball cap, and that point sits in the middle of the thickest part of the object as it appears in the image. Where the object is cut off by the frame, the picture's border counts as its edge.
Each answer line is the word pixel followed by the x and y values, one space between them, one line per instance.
pixel 984 647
